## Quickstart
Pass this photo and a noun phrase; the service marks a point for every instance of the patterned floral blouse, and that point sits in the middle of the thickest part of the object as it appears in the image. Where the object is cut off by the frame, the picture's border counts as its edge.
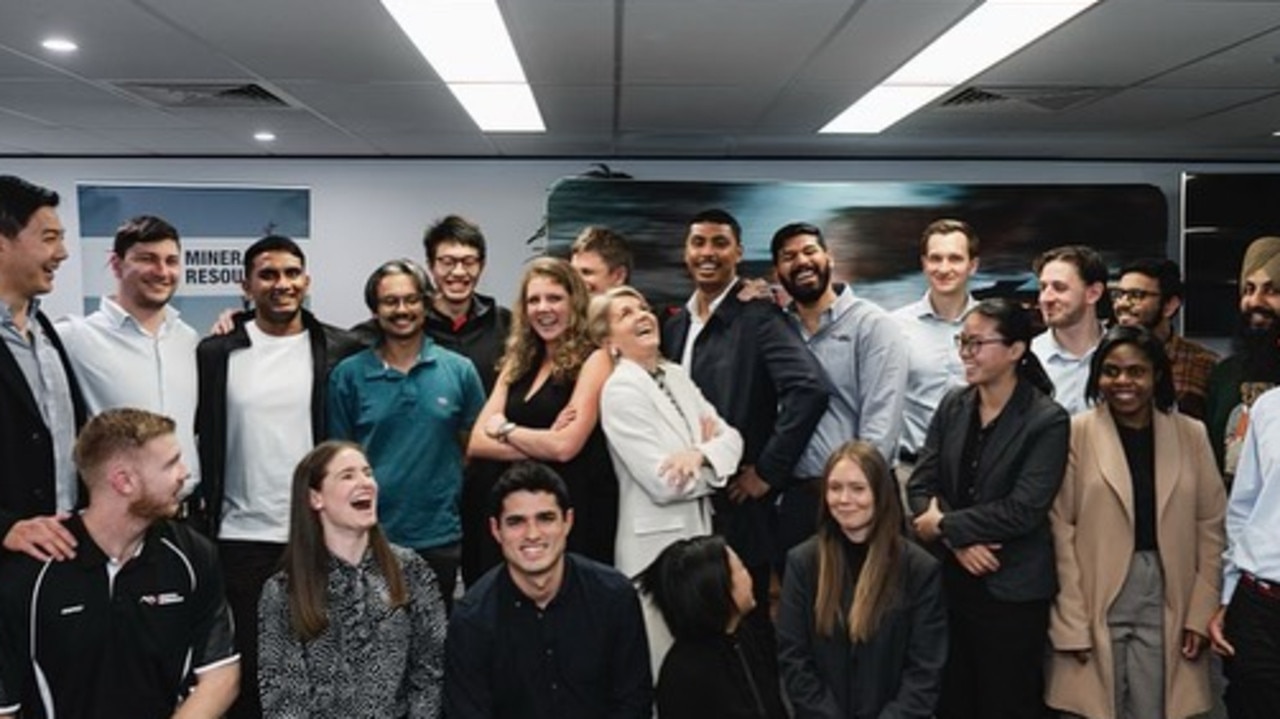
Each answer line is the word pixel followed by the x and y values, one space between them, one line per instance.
pixel 371 662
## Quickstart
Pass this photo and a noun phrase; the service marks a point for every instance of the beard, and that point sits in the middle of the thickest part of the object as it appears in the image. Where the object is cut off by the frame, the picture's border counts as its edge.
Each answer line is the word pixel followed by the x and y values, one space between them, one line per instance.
pixel 1259 346
pixel 152 508
pixel 808 294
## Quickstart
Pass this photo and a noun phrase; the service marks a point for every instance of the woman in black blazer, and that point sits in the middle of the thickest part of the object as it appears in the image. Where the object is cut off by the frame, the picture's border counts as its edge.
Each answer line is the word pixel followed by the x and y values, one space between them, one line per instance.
pixel 989 471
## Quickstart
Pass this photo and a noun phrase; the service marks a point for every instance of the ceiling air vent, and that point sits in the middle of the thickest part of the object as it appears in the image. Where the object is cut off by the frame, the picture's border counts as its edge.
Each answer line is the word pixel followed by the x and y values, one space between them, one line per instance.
pixel 971 96
pixel 205 95
pixel 1043 99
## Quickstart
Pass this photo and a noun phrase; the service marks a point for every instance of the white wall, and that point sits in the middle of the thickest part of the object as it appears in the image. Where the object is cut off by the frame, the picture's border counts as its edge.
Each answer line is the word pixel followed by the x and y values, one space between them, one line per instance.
pixel 367 211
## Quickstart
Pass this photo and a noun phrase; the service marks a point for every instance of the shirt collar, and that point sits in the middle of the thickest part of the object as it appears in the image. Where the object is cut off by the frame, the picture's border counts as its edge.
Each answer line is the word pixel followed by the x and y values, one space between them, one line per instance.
pixel 119 317
pixel 6 314
pixel 692 304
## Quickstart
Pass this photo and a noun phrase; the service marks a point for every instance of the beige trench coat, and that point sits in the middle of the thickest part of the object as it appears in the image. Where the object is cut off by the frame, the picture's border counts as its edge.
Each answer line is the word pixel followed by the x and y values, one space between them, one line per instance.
pixel 1092 520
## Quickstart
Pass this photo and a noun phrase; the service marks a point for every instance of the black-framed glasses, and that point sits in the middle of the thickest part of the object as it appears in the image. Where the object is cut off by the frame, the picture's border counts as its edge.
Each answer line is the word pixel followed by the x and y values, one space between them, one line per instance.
pixel 469 263
pixel 971 345
pixel 1136 295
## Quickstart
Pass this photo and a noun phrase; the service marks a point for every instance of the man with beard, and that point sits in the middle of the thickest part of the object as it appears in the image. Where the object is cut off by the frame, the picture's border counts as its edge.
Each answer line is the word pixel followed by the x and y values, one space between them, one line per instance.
pixel 410 404
pixel 1149 294
pixel 136 351
pixel 860 347
pixel 261 409
pixel 136 625
pixel 1073 279
pixel 761 379
pixel 40 403
pixel 1255 366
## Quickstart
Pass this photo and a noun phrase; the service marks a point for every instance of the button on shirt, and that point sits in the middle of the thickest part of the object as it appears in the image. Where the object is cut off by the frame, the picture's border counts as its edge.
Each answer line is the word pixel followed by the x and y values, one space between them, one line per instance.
pixel 120 364
pixel 1253 511
pixel 934 366
pixel 47 378
pixel 1069 373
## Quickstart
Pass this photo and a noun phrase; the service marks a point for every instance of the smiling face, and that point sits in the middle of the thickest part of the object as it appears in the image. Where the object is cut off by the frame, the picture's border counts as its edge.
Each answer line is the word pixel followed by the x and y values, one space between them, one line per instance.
pixel 347 500
pixel 1127 383
pixel 947 265
pixel 160 473
pixel 987 359
pixel 148 274
pixel 712 254
pixel 633 330
pixel 29 260
pixel 277 284
pixel 804 268
pixel 850 500
pixel 400 310
pixel 533 532
pixel 455 270
pixel 595 272
pixel 1065 300
pixel 1259 301
pixel 547 307
pixel 1137 302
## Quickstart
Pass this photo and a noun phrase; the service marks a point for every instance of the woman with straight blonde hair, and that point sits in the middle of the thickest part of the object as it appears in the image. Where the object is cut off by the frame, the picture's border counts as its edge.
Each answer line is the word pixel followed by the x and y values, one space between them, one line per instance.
pixel 861 627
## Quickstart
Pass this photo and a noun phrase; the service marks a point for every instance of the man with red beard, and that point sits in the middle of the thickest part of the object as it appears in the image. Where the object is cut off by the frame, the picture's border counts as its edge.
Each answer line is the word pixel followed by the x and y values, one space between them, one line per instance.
pixel 1149 294
pixel 136 625
pixel 1255 366
pixel 859 345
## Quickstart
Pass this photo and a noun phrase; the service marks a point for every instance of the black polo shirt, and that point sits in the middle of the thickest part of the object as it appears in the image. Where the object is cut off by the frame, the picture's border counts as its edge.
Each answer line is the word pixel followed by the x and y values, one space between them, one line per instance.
pixel 76 643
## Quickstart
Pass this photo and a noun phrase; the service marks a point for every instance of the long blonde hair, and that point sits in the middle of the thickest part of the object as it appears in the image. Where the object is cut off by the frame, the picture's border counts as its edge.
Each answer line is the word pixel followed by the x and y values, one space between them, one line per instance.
pixel 525 350
pixel 877 583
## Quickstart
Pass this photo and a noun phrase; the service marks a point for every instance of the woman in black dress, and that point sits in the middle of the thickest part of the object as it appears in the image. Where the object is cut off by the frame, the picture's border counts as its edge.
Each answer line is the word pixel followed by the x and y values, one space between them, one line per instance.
pixel 545 406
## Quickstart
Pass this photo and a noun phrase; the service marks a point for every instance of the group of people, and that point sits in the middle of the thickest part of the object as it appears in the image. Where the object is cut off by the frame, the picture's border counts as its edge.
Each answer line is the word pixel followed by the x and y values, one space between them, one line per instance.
pixel 768 502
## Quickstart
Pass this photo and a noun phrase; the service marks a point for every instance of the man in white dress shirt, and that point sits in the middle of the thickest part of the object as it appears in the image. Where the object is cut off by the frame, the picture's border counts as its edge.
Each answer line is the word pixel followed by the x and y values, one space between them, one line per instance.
pixel 1073 279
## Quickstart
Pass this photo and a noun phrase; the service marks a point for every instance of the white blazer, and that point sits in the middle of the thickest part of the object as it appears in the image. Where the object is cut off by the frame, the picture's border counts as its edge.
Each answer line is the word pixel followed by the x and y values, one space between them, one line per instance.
pixel 643 428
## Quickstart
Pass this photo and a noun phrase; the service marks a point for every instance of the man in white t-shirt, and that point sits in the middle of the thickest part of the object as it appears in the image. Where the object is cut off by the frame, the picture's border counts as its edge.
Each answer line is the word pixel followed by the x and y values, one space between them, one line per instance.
pixel 262 407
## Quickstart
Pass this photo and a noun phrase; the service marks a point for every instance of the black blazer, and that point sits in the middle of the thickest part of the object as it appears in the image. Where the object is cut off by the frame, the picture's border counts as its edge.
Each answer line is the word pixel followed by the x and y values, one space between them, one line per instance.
pixel 1018 477
pixel 895 675
pixel 26 444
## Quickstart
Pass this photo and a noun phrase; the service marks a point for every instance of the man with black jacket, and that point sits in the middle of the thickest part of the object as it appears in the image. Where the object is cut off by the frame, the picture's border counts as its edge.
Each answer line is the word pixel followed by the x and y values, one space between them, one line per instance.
pixel 261 408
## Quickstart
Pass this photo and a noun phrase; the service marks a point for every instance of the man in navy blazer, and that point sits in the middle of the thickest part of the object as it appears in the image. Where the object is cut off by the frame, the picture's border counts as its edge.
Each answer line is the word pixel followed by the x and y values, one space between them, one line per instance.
pixel 761 379
pixel 41 408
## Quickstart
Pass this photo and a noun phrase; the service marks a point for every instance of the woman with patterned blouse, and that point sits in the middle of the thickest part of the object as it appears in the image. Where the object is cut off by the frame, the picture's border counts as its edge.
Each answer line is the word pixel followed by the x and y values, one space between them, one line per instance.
pixel 352 626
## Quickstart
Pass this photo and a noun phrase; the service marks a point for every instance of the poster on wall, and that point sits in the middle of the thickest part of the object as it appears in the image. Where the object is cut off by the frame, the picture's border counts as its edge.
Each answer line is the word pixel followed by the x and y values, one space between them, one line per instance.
pixel 217 223
pixel 872 228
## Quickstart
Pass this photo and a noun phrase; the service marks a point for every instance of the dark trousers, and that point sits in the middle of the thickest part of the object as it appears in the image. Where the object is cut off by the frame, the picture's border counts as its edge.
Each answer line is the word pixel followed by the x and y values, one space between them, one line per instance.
pixel 995 667
pixel 1253 674
pixel 797 515
pixel 246 566
pixel 444 563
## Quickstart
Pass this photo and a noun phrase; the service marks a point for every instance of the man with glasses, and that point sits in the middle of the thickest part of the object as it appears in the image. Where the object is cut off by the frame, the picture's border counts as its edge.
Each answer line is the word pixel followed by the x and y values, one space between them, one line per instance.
pixel 410 404
pixel 1149 294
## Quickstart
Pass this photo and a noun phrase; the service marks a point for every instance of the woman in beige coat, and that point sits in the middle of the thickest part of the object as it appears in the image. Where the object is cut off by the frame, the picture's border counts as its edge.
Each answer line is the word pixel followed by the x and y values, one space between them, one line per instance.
pixel 1138 533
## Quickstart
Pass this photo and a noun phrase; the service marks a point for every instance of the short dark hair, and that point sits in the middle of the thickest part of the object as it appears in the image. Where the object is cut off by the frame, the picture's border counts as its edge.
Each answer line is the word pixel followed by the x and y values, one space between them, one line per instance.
pixel 19 200
pixel 1165 272
pixel 271 243
pixel 1087 261
pixel 528 476
pixel 691 585
pixel 794 229
pixel 387 269
pixel 611 246
pixel 946 226
pixel 717 216
pixel 143 229
pixel 453 228
pixel 1148 344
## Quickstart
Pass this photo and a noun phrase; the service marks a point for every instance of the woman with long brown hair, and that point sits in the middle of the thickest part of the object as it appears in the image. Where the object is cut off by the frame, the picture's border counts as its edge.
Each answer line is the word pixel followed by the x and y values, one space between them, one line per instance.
pixel 861 626
pixel 352 626
pixel 545 406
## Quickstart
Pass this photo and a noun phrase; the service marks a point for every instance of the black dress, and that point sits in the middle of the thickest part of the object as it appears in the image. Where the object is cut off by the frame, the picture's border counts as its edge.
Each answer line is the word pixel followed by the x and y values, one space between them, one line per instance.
pixel 593 488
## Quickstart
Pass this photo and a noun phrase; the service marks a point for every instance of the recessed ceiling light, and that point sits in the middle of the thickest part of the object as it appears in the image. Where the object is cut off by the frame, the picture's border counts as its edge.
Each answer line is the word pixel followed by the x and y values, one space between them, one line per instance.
pixel 264 136
pixel 59 44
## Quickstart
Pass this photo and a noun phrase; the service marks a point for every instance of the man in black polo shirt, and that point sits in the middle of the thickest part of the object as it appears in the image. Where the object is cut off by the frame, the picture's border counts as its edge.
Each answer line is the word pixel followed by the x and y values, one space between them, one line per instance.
pixel 136 624
pixel 546 634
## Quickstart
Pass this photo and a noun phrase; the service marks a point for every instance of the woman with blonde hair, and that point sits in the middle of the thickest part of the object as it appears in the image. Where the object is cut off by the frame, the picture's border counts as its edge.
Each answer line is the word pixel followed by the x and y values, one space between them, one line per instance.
pixel 861 626
pixel 352 626
pixel 545 406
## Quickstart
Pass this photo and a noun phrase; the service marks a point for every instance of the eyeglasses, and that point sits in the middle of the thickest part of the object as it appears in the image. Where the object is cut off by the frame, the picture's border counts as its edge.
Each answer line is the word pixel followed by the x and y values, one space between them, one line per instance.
pixel 972 345
pixel 469 263
pixel 1119 293
pixel 391 302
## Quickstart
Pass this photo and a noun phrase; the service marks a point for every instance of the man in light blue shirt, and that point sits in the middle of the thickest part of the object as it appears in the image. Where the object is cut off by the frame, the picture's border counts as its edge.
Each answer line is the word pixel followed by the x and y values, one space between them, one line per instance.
pixel 858 345
pixel 1073 279
pixel 1246 627
pixel 410 403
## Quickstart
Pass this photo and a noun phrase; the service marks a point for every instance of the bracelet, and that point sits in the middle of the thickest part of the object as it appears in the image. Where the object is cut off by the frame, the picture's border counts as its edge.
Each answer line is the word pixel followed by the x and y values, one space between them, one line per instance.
pixel 504 430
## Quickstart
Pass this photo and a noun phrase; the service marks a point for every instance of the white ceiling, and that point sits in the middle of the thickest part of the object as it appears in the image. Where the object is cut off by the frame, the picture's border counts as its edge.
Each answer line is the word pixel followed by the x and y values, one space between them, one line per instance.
pixel 1130 79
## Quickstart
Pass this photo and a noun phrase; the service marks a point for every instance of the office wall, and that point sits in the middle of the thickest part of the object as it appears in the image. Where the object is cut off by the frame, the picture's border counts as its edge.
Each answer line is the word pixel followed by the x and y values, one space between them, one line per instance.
pixel 366 211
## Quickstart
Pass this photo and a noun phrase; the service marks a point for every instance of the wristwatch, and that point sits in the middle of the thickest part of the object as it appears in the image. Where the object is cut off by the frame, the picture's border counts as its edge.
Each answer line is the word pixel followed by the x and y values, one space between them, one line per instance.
pixel 505 429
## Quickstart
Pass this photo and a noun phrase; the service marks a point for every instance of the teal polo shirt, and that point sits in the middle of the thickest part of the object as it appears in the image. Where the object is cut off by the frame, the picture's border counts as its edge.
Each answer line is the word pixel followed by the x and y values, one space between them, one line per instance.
pixel 408 424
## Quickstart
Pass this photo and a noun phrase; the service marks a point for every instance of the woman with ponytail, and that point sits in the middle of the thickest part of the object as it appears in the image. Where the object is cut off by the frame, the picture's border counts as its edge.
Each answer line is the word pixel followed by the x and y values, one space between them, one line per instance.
pixel 991 466
pixel 861 626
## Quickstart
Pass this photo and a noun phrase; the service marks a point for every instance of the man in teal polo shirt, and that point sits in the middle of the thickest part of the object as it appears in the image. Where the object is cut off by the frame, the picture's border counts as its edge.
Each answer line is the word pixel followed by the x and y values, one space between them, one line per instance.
pixel 411 403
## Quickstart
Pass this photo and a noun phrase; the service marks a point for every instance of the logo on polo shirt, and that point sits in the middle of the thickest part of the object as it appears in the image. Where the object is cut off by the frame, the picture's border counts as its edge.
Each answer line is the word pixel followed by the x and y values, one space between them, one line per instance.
pixel 162 600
